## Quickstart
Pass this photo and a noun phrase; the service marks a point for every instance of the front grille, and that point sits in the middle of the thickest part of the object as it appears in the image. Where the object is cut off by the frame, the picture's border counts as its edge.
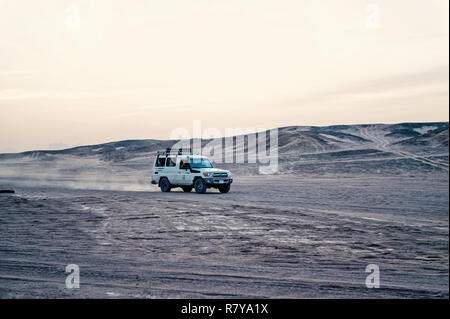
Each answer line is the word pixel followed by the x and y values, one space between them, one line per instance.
pixel 220 175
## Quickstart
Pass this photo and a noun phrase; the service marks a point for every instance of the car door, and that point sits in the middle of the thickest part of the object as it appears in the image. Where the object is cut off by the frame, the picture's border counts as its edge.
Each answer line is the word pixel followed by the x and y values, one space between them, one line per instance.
pixel 158 168
pixel 170 169
pixel 183 173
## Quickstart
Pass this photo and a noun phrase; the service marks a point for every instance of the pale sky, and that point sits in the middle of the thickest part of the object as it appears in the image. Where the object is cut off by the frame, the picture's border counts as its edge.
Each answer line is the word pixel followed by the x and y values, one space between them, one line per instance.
pixel 91 71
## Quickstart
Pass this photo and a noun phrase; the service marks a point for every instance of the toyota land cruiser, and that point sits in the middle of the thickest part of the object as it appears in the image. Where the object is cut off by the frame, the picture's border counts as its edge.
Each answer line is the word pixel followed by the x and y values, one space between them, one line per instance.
pixel 188 171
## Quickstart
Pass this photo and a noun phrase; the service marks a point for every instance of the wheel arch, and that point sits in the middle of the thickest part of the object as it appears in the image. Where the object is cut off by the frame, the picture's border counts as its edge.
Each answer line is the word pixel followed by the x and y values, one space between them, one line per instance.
pixel 160 178
pixel 195 178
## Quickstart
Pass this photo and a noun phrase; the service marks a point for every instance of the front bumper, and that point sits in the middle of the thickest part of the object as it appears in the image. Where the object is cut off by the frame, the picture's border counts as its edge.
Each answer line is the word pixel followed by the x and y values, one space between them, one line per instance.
pixel 217 181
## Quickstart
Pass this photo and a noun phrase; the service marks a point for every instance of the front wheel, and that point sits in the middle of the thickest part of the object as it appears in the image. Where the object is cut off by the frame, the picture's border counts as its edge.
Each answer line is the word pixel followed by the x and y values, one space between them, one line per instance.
pixel 200 186
pixel 224 188
pixel 164 184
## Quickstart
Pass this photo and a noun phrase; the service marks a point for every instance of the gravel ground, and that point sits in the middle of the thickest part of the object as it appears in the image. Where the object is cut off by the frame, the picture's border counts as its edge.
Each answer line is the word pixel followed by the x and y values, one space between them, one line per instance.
pixel 273 236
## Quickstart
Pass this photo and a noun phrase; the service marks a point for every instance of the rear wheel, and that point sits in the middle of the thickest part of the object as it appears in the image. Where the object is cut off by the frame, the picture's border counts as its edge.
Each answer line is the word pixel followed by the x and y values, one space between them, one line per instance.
pixel 187 189
pixel 224 188
pixel 164 184
pixel 200 186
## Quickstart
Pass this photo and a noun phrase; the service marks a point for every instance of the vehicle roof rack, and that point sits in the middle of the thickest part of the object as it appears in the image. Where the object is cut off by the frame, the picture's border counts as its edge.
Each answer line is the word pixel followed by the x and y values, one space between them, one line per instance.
pixel 180 152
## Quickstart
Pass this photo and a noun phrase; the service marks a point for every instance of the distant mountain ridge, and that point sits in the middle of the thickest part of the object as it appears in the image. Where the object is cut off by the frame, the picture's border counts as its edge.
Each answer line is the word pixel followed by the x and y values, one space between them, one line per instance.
pixel 302 149
pixel 304 137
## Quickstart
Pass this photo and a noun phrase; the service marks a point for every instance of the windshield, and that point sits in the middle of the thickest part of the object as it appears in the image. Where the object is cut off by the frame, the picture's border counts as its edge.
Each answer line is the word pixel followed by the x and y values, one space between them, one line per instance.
pixel 200 163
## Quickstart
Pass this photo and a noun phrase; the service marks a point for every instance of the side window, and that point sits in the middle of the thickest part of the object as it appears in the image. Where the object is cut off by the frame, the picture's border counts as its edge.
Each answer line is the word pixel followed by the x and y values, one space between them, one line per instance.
pixel 184 165
pixel 160 161
pixel 170 162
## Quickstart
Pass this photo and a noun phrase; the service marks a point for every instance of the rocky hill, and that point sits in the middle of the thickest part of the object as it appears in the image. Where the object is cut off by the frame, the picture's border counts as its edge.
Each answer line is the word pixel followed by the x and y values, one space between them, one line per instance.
pixel 406 148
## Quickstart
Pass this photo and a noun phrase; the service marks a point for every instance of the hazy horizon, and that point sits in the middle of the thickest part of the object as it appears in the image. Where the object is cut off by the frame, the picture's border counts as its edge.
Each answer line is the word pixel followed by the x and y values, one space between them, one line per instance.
pixel 82 72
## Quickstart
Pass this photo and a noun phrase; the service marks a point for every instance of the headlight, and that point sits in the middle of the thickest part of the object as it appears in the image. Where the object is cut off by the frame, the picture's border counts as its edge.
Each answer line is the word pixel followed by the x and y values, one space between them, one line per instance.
pixel 207 174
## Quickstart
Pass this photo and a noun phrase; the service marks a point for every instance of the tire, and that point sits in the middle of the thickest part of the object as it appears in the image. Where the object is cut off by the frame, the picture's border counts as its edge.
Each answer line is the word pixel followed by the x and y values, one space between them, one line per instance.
pixel 187 189
pixel 200 186
pixel 164 184
pixel 225 188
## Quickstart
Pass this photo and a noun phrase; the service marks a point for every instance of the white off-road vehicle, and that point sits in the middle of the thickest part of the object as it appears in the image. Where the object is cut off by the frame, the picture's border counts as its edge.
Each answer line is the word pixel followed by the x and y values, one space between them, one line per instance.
pixel 188 171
